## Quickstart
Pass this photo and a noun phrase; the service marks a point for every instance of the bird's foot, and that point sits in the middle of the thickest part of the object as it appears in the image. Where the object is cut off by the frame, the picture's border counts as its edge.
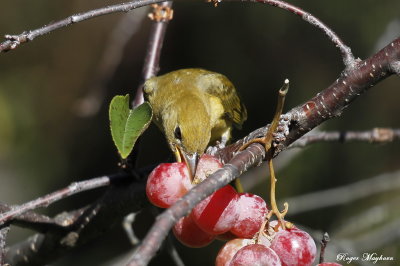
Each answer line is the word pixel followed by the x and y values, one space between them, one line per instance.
pixel 212 150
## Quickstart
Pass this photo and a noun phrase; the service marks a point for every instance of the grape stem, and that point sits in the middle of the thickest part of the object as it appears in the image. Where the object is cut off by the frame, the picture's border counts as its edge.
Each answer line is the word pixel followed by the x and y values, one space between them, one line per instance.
pixel 280 215
pixel 263 232
pixel 267 142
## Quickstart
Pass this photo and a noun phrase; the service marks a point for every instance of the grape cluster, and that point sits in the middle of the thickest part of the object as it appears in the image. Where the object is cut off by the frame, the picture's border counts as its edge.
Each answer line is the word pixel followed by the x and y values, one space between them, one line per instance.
pixel 272 246
pixel 239 218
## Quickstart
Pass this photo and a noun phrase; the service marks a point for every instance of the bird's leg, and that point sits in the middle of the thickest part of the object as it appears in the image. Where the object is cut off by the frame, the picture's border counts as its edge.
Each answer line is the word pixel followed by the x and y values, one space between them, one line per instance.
pixel 224 139
pixel 267 141
pixel 220 144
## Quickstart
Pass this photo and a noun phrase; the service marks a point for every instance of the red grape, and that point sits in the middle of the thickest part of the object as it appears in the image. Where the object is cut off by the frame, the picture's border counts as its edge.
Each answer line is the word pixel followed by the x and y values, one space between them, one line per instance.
pixel 294 247
pixel 189 234
pixel 255 255
pixel 167 183
pixel 252 211
pixel 217 213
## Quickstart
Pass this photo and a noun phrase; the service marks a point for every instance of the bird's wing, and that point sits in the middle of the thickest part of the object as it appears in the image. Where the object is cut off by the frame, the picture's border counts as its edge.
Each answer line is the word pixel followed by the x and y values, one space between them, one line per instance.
pixel 222 89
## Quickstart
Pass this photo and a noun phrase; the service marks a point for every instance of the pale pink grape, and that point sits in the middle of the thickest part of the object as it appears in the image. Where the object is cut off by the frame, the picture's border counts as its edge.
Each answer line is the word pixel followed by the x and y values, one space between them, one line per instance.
pixel 255 255
pixel 252 210
pixel 228 251
pixel 167 183
pixel 294 247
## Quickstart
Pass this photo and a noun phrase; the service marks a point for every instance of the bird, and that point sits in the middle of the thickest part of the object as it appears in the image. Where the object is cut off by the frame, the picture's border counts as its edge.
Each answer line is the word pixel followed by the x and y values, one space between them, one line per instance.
pixel 194 108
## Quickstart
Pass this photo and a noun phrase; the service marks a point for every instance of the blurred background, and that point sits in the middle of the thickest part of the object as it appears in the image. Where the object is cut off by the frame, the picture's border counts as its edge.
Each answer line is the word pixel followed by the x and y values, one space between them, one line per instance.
pixel 55 91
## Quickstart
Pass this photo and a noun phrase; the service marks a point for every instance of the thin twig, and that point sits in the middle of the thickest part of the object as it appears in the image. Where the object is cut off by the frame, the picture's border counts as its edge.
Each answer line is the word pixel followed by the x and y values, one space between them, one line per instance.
pixel 324 243
pixel 127 224
pixel 13 41
pixel 336 245
pixel 152 61
pixel 161 16
pixel 376 135
pixel 31 220
pixel 48 199
pixel 345 51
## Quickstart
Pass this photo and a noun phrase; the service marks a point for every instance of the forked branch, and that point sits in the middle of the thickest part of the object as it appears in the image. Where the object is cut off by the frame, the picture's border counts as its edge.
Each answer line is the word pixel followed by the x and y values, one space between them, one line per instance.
pixel 46 200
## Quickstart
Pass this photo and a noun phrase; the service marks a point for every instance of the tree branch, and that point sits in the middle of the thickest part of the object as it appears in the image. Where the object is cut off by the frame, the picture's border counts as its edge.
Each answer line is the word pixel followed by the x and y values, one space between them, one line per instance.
pixel 30 219
pixel 48 199
pixel 152 61
pixel 13 41
pixel 82 225
pixel 327 104
pixel 376 135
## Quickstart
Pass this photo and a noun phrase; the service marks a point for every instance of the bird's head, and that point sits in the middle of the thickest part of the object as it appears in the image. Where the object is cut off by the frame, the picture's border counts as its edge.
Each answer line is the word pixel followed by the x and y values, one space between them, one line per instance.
pixel 188 131
pixel 182 111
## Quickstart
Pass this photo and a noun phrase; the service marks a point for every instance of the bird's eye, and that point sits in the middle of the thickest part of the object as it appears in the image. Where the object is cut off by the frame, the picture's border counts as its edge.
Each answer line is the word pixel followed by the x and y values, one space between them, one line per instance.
pixel 178 133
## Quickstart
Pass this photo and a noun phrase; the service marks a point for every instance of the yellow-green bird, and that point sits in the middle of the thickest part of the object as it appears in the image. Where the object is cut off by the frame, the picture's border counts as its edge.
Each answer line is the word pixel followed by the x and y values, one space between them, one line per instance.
pixel 194 108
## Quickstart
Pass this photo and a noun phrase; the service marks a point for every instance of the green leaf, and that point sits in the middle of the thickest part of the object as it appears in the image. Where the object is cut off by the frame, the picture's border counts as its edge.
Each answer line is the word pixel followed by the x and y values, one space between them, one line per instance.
pixel 127 124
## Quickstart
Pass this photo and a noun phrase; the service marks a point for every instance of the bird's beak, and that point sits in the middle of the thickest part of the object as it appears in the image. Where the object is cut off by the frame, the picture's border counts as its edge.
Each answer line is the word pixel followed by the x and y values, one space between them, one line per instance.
pixel 191 160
